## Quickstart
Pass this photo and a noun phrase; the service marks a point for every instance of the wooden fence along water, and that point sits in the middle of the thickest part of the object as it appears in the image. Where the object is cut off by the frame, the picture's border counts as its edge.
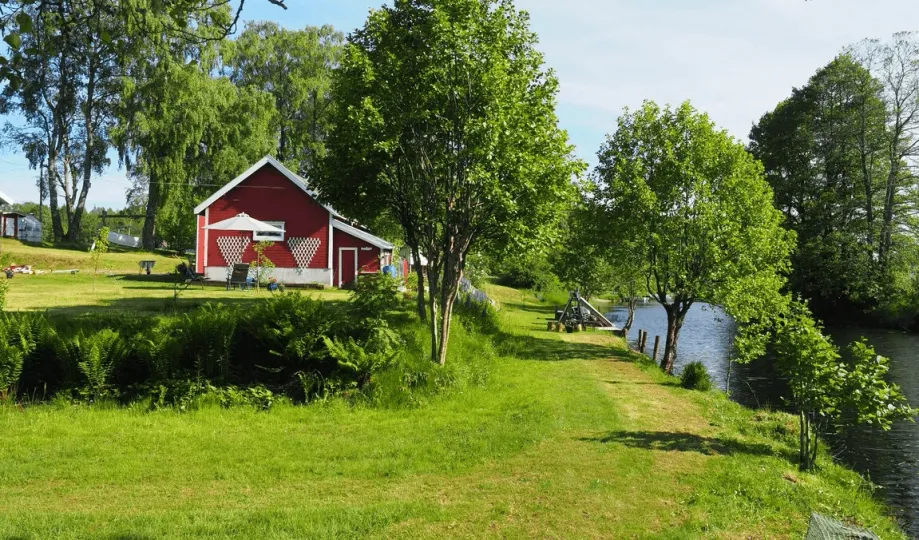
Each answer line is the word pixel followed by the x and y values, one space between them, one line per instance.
pixel 642 341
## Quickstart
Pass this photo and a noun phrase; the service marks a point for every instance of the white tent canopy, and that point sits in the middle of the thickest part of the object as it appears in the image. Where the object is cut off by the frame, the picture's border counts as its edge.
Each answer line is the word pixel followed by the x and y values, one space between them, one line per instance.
pixel 242 222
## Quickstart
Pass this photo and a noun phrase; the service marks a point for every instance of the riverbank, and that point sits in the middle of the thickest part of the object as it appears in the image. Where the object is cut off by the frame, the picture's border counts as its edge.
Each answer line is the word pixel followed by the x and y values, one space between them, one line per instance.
pixel 572 436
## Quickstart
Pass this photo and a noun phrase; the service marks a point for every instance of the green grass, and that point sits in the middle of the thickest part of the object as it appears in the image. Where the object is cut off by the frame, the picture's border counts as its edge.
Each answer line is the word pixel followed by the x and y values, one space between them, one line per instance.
pixel 572 436
pixel 118 285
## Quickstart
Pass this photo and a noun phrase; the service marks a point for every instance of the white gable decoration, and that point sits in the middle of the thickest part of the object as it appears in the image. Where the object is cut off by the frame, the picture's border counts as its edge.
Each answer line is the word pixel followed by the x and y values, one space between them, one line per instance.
pixel 303 249
pixel 232 248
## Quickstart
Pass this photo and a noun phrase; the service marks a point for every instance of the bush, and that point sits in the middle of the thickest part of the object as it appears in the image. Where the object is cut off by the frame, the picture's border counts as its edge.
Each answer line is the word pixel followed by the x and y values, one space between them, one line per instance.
pixel 530 272
pixel 4 287
pixel 287 346
pixel 284 336
pixel 374 295
pixel 695 377
pixel 19 337
pixel 95 356
pixel 476 315
pixel 362 360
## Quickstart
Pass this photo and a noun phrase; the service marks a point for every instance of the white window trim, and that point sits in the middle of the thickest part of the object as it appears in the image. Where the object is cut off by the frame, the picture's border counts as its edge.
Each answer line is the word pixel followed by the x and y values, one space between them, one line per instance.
pixel 257 236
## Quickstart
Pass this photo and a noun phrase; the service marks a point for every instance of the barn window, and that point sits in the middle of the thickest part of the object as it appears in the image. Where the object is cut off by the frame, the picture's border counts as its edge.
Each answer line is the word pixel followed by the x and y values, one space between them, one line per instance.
pixel 270 236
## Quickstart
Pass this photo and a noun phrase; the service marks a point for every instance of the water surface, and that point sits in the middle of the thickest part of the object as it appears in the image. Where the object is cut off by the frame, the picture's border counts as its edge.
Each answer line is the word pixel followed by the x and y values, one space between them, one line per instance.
pixel 890 459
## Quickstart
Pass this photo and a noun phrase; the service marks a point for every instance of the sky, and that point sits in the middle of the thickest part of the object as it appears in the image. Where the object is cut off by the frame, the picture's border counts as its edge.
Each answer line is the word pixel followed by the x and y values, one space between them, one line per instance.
pixel 734 59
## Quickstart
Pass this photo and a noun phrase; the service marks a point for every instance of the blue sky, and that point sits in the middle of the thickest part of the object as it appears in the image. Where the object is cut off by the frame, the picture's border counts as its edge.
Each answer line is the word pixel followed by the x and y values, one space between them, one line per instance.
pixel 733 59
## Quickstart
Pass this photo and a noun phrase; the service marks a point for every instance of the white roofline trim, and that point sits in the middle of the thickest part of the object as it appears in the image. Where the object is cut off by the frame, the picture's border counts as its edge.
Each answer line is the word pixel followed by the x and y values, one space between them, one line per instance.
pixel 363 235
pixel 4 199
pixel 267 160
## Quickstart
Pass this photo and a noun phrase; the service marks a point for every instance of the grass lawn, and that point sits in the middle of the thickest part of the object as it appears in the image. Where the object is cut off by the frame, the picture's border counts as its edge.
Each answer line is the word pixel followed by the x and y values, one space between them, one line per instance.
pixel 118 285
pixel 572 436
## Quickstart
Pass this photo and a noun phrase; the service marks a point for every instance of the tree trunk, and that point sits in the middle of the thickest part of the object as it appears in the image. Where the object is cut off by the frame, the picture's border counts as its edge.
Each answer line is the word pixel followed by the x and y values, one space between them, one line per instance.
pixel 419 271
pixel 73 232
pixel 41 200
pixel 802 441
pixel 453 271
pixel 148 236
pixel 57 229
pixel 632 303
pixel 432 313
pixel 675 315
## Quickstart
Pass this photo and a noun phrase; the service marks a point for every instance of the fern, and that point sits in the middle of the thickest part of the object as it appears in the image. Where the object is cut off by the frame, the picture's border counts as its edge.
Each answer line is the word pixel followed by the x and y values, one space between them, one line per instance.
pixel 95 356
pixel 363 360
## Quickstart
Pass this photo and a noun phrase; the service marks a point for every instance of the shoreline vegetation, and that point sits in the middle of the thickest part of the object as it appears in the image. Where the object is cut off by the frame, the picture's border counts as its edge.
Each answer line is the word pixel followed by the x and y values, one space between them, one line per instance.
pixel 567 435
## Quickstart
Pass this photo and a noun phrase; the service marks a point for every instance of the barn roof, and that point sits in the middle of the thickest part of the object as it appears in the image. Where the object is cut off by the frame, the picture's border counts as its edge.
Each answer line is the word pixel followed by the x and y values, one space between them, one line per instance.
pixel 296 180
pixel 5 199
pixel 363 235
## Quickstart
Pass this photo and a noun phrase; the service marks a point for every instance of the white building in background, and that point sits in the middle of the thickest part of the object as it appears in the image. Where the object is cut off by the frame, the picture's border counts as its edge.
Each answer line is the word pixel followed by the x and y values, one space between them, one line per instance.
pixel 25 227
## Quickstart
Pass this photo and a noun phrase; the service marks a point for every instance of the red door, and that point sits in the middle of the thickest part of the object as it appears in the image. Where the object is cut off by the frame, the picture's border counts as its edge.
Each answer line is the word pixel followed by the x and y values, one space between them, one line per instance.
pixel 347 266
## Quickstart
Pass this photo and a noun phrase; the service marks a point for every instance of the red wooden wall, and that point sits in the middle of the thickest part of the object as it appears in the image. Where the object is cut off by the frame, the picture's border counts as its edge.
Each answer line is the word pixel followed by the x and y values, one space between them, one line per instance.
pixel 267 195
pixel 368 260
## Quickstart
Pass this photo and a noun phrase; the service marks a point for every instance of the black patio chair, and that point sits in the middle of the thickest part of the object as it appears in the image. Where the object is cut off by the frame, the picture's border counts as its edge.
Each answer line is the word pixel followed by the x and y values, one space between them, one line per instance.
pixel 186 276
pixel 239 276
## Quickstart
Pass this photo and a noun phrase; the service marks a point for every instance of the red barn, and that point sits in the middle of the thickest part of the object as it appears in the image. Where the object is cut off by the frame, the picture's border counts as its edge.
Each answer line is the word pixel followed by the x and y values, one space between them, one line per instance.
pixel 318 245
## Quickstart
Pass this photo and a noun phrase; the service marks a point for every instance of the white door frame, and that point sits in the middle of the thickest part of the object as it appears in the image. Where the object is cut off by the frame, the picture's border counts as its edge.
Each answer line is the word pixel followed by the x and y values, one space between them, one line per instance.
pixel 354 249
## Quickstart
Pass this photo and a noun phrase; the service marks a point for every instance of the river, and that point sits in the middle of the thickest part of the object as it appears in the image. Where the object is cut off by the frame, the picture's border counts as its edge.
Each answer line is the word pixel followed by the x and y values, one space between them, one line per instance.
pixel 890 459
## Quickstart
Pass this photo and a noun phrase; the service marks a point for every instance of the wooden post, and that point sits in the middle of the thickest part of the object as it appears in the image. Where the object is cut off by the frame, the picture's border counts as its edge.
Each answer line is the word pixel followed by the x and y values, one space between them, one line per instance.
pixel 641 341
pixel 657 342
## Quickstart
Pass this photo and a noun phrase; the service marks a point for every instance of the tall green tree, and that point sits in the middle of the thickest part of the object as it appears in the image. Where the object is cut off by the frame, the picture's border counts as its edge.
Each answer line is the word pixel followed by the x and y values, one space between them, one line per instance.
pixel 445 119
pixel 698 210
pixel 146 20
pixel 69 65
pixel 578 260
pixel 65 65
pixel 295 67
pixel 824 153
pixel 896 65
pixel 184 134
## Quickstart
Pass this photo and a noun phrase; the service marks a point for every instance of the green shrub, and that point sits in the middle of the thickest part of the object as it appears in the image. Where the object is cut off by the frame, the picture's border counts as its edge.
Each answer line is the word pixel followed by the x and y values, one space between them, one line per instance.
pixel 695 377
pixel 374 295
pixel 533 272
pixel 287 346
pixel 207 341
pixel 95 355
pixel 480 316
pixel 254 396
pixel 19 338
pixel 283 336
pixel 362 360
pixel 4 287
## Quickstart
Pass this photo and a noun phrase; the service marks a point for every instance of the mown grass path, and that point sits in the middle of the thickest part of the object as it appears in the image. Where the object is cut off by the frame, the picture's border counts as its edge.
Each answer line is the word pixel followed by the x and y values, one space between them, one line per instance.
pixel 572 437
